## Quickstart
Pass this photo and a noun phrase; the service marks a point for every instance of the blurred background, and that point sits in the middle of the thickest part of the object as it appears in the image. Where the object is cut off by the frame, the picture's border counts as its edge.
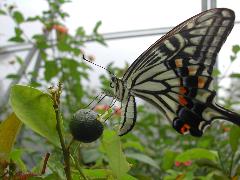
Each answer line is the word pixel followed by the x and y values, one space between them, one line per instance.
pixel 43 45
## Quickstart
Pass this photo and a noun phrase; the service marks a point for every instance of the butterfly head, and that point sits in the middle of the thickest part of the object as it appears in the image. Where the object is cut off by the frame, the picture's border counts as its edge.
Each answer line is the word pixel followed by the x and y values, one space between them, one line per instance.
pixel 117 85
pixel 113 81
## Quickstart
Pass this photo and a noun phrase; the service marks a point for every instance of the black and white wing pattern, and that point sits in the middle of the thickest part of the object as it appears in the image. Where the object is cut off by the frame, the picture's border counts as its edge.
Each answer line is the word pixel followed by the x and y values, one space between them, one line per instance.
pixel 174 74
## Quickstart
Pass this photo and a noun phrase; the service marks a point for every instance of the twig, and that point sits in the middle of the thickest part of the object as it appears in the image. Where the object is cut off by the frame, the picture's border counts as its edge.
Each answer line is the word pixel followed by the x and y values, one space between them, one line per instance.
pixel 66 154
pixel 45 163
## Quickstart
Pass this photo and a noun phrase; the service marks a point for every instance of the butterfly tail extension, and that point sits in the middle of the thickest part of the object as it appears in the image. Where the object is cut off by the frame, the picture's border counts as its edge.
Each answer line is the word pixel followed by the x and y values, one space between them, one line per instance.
pixel 129 115
pixel 227 115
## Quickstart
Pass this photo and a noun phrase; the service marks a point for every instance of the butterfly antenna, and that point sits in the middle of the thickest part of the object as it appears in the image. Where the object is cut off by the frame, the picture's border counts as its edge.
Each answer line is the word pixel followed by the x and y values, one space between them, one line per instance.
pixel 113 102
pixel 96 65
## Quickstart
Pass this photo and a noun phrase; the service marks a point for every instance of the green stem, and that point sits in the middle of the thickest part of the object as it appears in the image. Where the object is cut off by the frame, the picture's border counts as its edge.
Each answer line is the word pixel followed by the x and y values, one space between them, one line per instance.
pixel 79 169
pixel 231 165
pixel 66 153
pixel 221 162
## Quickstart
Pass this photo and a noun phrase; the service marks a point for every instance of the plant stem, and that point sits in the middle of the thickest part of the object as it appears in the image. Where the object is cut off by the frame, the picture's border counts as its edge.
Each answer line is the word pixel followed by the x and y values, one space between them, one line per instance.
pixel 221 162
pixel 79 169
pixel 66 153
pixel 231 165
pixel 45 163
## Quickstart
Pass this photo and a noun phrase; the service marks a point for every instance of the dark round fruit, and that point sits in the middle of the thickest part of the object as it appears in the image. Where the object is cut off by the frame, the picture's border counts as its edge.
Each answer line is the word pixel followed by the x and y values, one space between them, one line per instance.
pixel 85 127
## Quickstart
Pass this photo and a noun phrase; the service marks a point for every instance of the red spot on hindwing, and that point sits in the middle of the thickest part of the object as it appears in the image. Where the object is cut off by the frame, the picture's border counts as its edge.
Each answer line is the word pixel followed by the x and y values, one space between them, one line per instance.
pixel 182 101
pixel 185 128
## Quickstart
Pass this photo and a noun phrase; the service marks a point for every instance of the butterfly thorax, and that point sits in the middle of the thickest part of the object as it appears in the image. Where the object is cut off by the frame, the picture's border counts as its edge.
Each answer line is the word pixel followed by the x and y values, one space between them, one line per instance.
pixel 120 91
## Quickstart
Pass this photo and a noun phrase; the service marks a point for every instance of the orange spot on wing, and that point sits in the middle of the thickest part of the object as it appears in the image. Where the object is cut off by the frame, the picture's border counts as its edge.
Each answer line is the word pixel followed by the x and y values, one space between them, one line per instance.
pixel 182 100
pixel 201 82
pixel 182 90
pixel 192 70
pixel 178 62
pixel 184 128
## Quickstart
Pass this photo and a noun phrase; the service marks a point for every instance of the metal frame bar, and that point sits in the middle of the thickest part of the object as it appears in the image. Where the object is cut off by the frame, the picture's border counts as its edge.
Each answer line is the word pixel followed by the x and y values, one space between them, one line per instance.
pixel 208 4
pixel 108 36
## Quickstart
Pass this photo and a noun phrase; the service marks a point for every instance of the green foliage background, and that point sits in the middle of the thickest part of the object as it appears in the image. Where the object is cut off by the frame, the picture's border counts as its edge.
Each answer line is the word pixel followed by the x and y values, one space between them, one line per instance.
pixel 153 150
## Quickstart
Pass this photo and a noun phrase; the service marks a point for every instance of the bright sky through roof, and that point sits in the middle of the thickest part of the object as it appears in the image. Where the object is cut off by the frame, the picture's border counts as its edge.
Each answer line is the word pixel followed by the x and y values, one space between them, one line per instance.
pixel 121 16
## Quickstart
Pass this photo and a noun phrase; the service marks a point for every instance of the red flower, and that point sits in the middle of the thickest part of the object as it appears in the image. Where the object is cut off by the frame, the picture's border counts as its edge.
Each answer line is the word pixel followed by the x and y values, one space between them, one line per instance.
pixel 177 163
pixel 117 111
pixel 101 107
pixel 187 163
pixel 60 28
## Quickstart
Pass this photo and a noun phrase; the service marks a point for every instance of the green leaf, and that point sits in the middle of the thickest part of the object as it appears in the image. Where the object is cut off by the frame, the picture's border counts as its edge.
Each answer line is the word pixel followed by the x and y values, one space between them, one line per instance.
pixel 41 41
pixel 76 51
pixel 2 12
pixel 95 29
pixel 234 135
pixel 12 76
pixel 127 177
pixel 89 155
pixel 35 18
pixel 196 153
pixel 51 70
pixel 143 158
pixel 18 17
pixel 205 142
pixel 80 31
pixel 168 159
pixel 19 60
pixel 236 49
pixel 18 31
pixel 63 46
pixel 35 109
pixel 216 72
pixel 134 145
pixel 16 39
pixel 217 175
pixel 113 149
pixel 8 133
pixel 235 75
pixel 208 163
pixel 93 173
pixel 233 58
pixel 237 169
pixel 100 40
pixel 16 156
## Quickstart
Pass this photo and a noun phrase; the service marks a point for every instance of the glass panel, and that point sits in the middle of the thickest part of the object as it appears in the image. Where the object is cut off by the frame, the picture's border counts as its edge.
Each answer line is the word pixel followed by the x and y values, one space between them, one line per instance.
pixel 116 15
pixel 226 51
pixel 118 51
pixel 129 15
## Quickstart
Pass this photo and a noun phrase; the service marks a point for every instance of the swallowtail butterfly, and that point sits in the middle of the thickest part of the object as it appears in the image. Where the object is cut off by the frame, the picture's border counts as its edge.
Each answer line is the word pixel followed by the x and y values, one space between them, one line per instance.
pixel 175 75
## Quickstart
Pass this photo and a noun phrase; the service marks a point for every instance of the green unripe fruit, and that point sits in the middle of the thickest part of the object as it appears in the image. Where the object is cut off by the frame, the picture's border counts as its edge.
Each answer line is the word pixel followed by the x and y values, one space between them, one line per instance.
pixel 85 126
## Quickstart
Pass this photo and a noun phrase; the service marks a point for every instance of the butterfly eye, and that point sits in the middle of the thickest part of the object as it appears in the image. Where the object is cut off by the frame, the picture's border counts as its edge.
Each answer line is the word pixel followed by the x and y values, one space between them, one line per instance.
pixel 113 79
pixel 185 128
